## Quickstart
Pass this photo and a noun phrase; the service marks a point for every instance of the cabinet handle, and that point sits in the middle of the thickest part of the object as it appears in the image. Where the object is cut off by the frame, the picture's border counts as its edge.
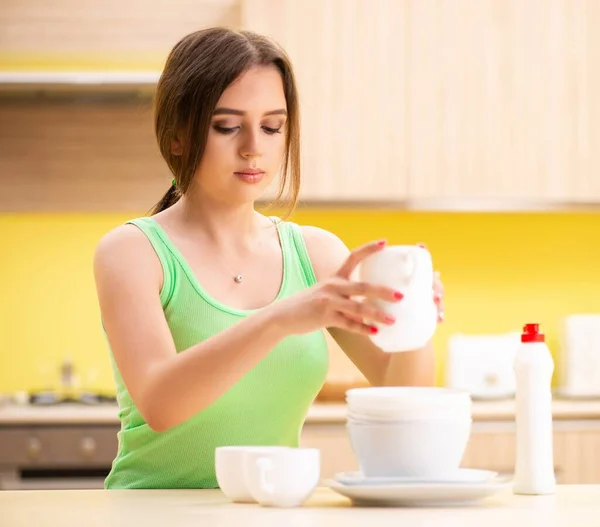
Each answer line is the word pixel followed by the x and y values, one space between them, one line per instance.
pixel 88 446
pixel 34 447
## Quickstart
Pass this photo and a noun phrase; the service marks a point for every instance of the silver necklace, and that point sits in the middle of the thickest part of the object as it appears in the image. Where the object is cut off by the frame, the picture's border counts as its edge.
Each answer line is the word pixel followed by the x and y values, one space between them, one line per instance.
pixel 238 278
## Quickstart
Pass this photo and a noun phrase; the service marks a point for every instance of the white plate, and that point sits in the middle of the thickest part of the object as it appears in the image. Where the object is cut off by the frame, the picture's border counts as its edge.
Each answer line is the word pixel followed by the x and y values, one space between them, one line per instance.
pixel 420 494
pixel 457 477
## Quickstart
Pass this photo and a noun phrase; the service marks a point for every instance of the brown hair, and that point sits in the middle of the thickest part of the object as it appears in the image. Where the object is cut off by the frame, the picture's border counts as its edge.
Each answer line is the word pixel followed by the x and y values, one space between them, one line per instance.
pixel 197 71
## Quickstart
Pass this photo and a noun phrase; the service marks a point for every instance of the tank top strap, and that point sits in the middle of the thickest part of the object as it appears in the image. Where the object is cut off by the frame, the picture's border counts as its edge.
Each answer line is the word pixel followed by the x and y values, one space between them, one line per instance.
pixel 163 251
pixel 294 246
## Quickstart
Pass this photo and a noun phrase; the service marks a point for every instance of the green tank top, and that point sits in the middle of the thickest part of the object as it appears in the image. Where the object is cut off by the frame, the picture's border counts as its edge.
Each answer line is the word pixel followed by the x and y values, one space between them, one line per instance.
pixel 266 407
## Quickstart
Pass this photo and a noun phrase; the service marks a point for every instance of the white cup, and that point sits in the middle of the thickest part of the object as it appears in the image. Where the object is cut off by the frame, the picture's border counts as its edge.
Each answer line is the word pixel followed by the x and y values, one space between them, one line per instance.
pixel 409 270
pixel 282 478
pixel 229 468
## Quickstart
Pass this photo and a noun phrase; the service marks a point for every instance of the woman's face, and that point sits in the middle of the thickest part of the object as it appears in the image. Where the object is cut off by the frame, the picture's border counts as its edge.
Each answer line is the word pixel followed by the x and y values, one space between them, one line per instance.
pixel 246 141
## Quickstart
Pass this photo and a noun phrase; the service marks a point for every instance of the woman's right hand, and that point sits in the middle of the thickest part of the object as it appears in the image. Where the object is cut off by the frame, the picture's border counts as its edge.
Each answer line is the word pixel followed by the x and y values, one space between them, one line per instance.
pixel 334 303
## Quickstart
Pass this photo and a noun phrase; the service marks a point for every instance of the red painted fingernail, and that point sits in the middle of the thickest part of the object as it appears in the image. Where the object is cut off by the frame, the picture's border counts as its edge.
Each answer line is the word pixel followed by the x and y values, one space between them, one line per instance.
pixel 398 296
pixel 381 243
pixel 373 330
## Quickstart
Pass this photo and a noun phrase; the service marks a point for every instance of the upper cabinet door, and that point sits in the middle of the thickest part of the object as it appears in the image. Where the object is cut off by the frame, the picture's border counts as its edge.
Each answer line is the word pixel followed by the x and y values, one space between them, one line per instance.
pixel 486 101
pixel 583 81
pixel 75 34
pixel 348 60
pixel 503 100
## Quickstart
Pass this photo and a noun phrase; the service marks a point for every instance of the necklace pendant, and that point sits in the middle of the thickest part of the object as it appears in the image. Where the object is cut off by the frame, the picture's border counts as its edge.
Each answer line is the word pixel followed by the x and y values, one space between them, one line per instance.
pixel 238 279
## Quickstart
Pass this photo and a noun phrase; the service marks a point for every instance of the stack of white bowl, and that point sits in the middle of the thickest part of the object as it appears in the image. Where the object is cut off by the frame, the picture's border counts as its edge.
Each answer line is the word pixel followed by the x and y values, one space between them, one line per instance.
pixel 414 432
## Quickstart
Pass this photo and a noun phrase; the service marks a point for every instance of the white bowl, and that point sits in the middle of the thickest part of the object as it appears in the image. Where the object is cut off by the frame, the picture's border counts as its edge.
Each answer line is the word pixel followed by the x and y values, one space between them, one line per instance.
pixel 229 468
pixel 370 420
pixel 420 448
pixel 400 415
pixel 408 403
pixel 400 395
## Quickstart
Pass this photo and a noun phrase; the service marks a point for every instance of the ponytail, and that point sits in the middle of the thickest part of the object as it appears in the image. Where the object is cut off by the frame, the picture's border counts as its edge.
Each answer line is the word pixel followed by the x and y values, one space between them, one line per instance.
pixel 170 198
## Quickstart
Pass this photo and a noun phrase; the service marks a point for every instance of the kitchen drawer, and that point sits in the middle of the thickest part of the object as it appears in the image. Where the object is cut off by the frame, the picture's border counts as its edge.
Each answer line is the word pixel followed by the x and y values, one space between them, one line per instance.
pixel 333 441
pixel 70 446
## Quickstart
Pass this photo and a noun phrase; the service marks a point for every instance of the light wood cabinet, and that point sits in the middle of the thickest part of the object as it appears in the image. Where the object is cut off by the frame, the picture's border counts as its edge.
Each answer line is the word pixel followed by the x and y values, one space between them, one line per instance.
pixel 445 102
pixel 501 99
pixel 491 446
pixel 576 450
pixel 418 102
pixel 71 34
pixel 351 79
pixel 83 443
pixel 83 157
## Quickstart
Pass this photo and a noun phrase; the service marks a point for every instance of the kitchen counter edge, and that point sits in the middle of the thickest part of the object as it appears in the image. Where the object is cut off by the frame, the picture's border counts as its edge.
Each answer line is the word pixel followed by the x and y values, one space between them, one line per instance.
pixel 320 412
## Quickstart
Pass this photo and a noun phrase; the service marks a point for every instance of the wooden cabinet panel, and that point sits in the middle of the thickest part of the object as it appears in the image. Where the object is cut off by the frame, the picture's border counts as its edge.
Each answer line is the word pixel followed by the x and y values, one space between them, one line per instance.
pixel 581 451
pixel 584 85
pixel 491 446
pixel 77 32
pixel 501 100
pixel 485 101
pixel 333 441
pixel 347 56
pixel 491 451
pixel 71 157
pixel 420 100
pixel 495 449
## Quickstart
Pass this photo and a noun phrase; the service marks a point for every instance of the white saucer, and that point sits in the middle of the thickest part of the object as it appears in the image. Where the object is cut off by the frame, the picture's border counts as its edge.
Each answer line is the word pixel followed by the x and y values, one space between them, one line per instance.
pixel 456 477
pixel 420 494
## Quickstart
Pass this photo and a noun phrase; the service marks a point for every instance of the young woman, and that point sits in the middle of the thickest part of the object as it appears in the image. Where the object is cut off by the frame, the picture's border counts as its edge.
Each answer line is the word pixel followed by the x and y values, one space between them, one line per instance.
pixel 214 313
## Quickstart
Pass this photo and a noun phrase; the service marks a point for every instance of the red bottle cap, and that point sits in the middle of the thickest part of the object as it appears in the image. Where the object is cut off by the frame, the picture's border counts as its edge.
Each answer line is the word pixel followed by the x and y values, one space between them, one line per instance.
pixel 531 333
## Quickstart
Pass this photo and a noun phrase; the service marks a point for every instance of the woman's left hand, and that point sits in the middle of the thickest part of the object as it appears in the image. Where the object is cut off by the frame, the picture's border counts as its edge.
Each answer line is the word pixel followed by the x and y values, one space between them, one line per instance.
pixel 438 296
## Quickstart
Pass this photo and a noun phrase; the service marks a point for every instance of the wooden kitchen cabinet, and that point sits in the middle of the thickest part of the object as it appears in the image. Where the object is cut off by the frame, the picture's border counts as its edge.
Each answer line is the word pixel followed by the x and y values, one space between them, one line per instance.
pixel 502 100
pixel 576 452
pixel 491 447
pixel 444 103
pixel 429 104
pixel 351 78
pixel 73 35
pixel 80 157
pixel 333 441
pixel 74 447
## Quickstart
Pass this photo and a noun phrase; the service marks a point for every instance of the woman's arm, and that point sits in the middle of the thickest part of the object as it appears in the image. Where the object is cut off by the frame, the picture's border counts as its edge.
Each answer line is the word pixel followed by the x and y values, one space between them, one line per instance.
pixel 415 368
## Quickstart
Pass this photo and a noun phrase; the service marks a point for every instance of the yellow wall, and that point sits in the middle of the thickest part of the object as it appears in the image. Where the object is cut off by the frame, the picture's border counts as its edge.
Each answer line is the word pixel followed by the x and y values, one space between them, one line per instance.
pixel 500 271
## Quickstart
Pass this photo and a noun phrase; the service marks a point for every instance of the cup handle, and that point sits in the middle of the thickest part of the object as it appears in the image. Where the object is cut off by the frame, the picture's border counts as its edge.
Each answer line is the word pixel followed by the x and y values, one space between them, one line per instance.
pixel 265 465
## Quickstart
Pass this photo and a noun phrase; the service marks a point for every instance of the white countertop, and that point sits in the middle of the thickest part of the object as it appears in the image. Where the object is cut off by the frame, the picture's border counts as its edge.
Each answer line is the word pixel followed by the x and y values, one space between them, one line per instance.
pixel 572 505
pixel 319 413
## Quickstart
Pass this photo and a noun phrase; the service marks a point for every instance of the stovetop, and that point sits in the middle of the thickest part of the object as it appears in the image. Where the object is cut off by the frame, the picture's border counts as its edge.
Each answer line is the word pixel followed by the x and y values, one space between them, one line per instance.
pixel 86 398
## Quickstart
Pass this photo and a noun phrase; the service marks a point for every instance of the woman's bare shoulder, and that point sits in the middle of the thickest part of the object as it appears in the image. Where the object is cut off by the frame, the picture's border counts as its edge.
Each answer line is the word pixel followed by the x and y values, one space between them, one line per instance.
pixel 125 250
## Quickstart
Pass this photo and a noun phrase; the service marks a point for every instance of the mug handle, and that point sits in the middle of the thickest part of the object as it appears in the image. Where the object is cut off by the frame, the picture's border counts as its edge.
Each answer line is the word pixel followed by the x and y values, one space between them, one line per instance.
pixel 265 465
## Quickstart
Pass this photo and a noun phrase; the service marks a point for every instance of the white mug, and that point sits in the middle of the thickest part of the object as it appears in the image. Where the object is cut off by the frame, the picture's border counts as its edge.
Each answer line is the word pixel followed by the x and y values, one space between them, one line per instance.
pixel 409 270
pixel 282 478
pixel 229 469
